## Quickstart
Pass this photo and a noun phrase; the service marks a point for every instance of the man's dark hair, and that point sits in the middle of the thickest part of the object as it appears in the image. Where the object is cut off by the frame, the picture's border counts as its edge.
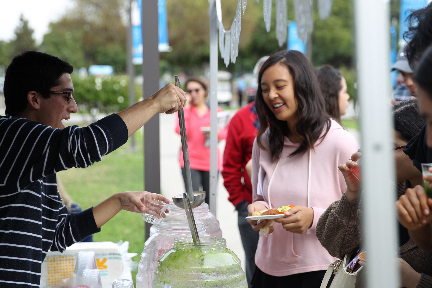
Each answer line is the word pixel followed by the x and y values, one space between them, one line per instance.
pixel 419 33
pixel 407 120
pixel 329 80
pixel 423 73
pixel 313 123
pixel 31 71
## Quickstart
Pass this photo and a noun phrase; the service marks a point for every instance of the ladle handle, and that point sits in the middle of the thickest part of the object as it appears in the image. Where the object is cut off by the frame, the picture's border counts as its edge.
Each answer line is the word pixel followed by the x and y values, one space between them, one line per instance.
pixel 185 149
pixel 191 219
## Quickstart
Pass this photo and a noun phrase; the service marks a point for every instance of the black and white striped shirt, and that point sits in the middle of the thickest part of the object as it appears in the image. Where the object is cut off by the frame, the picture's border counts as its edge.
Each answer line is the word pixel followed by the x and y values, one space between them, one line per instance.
pixel 32 217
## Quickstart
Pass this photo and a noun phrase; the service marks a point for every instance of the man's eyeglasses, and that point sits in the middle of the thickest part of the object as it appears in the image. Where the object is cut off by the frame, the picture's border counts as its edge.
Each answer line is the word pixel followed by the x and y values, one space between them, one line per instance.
pixel 68 93
pixel 193 90
pixel 399 147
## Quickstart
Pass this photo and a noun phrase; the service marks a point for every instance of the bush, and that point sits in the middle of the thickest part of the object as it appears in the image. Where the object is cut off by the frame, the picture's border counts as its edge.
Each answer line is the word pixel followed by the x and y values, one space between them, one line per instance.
pixel 104 94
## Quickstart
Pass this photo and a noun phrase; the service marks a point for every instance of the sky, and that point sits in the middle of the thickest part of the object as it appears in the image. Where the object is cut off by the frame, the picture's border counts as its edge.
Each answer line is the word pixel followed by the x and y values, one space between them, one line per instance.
pixel 39 13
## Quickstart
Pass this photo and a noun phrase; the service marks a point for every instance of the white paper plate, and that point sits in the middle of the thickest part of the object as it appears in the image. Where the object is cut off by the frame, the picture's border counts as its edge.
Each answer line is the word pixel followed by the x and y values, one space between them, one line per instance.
pixel 266 217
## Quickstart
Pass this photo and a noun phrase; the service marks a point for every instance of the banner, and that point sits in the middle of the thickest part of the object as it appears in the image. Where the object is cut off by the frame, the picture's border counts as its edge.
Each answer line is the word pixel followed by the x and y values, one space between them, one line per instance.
pixel 137 46
pixel 163 27
pixel 405 10
pixel 393 55
pixel 294 42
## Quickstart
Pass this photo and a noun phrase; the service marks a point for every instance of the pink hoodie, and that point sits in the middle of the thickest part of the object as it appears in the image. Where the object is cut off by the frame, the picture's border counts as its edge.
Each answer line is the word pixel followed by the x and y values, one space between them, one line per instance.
pixel 286 182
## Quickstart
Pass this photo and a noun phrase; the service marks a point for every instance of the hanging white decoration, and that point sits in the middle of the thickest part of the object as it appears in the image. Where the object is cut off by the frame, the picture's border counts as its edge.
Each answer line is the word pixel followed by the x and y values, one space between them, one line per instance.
pixel 281 21
pixel 267 8
pixel 303 15
pixel 324 8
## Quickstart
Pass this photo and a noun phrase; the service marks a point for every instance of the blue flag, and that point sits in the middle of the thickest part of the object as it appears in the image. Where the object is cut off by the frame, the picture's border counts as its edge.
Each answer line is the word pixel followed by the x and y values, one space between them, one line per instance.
pixel 294 42
pixel 137 46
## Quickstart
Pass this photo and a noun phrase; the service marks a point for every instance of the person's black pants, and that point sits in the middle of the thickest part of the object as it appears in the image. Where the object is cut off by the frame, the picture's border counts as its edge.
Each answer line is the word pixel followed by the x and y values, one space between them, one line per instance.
pixel 303 280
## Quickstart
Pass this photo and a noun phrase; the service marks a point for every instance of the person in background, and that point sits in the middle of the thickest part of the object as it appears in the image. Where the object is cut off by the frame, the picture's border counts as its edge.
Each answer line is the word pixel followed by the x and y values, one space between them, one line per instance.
pixel 197 123
pixel 71 206
pixel 419 37
pixel 242 131
pixel 414 207
pixel 294 162
pixel 334 90
pixel 35 145
pixel 406 90
pixel 241 89
pixel 338 228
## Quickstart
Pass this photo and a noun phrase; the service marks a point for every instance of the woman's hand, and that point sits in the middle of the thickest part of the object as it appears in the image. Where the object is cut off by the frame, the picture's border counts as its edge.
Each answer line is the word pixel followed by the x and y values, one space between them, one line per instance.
pixel 299 219
pixel 413 210
pixel 352 182
pixel 409 277
pixel 255 207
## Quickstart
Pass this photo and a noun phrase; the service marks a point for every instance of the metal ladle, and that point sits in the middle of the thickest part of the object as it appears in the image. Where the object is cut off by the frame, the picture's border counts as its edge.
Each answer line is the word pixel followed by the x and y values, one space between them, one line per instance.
pixel 196 198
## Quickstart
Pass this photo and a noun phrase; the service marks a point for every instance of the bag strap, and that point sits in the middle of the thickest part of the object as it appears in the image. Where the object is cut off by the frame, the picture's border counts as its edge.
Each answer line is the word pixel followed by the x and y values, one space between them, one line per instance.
pixel 332 267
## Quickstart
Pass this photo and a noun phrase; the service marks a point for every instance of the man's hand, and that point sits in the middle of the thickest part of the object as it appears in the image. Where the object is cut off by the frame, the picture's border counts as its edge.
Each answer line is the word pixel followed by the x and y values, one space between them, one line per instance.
pixel 299 219
pixel 139 202
pixel 413 208
pixel 169 99
pixel 143 202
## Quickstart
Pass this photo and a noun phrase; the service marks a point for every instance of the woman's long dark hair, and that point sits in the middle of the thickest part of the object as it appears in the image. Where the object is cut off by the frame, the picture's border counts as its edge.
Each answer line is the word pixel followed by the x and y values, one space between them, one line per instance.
pixel 312 119
pixel 329 80
pixel 419 33
pixel 423 73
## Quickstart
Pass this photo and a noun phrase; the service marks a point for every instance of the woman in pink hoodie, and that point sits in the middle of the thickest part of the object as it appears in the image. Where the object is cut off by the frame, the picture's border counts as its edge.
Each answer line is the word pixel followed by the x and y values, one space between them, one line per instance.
pixel 295 161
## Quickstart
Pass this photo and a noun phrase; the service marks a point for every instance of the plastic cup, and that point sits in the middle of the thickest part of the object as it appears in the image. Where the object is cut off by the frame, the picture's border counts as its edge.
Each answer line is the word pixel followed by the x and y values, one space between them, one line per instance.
pixel 94 275
pixel 425 171
pixel 122 283
pixel 86 260
pixel 156 209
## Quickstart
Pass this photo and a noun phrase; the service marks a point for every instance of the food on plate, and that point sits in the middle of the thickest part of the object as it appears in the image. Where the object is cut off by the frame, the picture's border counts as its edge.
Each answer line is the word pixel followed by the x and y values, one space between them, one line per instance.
pixel 265 230
pixel 273 211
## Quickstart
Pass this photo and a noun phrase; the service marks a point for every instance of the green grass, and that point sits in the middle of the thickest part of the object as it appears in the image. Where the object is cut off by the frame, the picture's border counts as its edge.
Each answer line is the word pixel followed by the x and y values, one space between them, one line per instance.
pixel 350 123
pixel 119 171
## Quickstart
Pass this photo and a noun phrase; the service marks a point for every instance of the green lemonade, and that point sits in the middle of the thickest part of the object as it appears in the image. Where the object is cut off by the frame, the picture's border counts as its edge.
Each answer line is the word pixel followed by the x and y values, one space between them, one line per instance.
pixel 207 265
pixel 427 189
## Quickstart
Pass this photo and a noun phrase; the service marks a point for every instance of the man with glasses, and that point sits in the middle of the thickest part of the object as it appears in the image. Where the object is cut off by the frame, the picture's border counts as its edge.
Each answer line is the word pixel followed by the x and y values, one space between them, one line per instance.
pixel 34 145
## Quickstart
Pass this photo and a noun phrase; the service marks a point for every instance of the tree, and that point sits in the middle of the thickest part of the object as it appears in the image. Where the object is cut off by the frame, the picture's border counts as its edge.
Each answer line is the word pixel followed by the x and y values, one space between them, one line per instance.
pixel 332 38
pixel 23 40
pixel 64 41
pixel 93 32
pixel 188 31
pixel 5 52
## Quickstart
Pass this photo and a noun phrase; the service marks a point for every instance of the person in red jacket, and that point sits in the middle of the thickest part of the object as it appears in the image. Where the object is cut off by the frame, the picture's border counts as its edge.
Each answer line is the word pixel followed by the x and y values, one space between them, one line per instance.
pixel 242 131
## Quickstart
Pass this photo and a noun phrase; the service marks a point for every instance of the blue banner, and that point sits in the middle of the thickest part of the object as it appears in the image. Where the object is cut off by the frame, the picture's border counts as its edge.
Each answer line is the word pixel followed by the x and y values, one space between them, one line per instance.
pixel 163 27
pixel 294 42
pixel 137 46
pixel 393 55
pixel 405 10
